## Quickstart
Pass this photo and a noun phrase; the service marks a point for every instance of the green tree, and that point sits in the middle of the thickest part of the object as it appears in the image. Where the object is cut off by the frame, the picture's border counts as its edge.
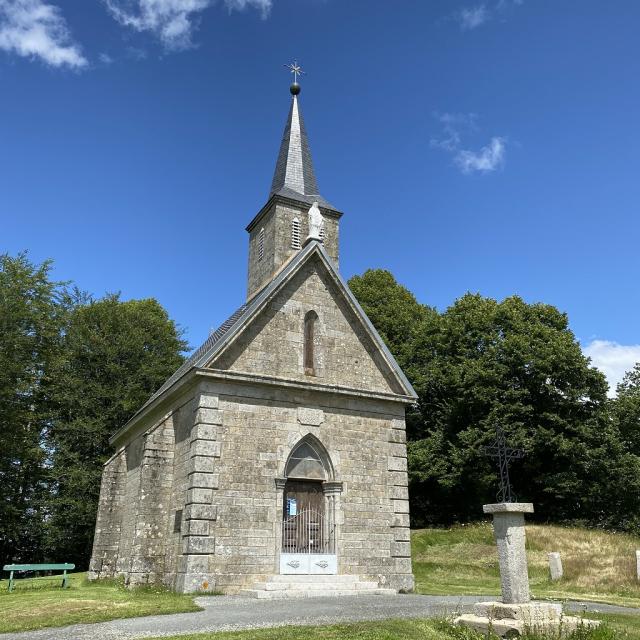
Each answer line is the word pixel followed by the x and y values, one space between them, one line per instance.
pixel 32 312
pixel 393 310
pixel 483 363
pixel 627 409
pixel 116 354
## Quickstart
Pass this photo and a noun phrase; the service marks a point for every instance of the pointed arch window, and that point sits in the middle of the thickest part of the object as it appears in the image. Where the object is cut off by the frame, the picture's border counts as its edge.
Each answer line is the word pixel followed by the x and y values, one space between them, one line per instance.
pixel 295 234
pixel 261 244
pixel 305 462
pixel 310 322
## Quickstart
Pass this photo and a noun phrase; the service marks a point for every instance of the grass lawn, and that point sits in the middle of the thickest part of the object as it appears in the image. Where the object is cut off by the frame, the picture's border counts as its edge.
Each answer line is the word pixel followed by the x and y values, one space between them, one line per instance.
pixel 38 603
pixel 617 628
pixel 598 566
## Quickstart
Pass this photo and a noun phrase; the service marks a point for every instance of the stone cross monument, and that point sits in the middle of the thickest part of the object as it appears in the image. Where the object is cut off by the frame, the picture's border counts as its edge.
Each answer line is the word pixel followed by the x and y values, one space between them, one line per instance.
pixel 515 613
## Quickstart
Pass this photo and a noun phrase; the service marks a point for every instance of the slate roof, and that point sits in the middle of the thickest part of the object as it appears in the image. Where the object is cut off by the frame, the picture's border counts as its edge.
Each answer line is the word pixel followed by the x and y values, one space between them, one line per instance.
pixel 294 176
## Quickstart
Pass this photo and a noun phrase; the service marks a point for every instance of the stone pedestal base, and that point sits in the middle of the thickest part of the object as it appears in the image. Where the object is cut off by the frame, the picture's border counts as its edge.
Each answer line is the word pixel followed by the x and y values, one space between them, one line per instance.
pixel 512 620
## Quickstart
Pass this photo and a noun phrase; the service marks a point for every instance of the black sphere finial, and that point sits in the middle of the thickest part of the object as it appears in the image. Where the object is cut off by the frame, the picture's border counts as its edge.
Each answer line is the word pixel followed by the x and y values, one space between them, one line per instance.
pixel 295 89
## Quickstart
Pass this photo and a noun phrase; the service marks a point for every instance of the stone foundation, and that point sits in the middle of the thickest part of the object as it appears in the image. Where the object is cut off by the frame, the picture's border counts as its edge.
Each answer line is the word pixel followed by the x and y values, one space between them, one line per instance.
pixel 512 620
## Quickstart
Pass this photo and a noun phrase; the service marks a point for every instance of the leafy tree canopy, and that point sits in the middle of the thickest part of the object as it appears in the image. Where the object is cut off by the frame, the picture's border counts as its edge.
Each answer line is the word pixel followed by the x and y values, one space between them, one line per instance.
pixel 116 354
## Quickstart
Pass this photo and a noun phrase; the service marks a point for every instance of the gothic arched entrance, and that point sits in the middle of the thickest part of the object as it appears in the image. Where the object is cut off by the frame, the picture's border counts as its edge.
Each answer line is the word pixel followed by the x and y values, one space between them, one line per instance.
pixel 308 529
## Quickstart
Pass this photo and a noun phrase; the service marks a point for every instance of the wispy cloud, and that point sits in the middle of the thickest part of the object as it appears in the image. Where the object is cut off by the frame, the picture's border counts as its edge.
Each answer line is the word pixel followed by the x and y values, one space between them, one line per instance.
pixel 613 359
pixel 488 159
pixel 472 17
pixel 36 29
pixel 173 21
pixel 457 125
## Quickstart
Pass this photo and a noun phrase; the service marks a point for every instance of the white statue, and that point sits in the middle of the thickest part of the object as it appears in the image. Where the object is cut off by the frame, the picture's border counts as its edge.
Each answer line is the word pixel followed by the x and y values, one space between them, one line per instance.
pixel 316 221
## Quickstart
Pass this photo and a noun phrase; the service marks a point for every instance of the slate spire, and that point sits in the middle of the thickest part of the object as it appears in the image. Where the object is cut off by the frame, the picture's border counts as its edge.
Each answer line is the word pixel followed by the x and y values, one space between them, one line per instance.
pixel 294 168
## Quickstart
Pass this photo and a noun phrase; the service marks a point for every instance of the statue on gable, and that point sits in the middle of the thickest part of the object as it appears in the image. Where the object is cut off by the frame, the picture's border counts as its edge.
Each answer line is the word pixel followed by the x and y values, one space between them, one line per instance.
pixel 316 222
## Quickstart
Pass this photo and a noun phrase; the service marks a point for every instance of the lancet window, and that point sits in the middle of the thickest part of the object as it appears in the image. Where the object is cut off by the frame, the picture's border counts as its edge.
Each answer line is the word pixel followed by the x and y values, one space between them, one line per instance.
pixel 310 322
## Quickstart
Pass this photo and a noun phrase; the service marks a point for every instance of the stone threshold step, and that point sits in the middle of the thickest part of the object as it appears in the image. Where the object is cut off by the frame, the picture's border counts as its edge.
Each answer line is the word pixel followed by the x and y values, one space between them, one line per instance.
pixel 309 586
pixel 314 579
pixel 314 593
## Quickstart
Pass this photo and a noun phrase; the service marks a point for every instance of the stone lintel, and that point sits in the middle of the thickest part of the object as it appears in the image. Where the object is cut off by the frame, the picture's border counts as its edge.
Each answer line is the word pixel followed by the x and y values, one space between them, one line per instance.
pixel 508 507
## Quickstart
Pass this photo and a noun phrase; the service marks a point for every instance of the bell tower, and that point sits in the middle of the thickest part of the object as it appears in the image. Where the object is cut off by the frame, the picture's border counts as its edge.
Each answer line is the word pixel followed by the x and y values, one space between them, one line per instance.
pixel 281 227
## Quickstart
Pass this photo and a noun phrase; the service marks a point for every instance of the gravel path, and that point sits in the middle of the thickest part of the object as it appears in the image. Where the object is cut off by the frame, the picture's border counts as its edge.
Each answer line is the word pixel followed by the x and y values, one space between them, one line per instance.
pixel 225 613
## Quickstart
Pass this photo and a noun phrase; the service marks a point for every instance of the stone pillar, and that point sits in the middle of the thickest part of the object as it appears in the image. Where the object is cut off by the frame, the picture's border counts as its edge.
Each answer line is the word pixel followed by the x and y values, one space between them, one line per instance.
pixel 277 525
pixel 332 491
pixel 199 515
pixel 106 539
pixel 555 566
pixel 508 528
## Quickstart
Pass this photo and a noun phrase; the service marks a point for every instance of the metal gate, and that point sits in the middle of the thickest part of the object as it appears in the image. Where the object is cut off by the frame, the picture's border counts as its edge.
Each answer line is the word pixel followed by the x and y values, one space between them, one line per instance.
pixel 308 544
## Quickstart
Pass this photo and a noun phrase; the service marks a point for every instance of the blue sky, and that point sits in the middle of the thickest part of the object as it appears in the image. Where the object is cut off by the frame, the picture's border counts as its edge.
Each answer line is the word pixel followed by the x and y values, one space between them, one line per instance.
pixel 473 146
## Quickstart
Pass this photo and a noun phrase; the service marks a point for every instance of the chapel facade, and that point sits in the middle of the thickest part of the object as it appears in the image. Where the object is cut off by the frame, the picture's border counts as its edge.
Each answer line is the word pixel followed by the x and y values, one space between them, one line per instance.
pixel 278 448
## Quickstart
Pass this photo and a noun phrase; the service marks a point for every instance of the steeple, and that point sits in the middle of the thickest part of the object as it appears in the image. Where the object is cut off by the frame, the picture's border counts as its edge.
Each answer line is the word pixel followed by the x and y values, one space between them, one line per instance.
pixel 294 168
pixel 295 211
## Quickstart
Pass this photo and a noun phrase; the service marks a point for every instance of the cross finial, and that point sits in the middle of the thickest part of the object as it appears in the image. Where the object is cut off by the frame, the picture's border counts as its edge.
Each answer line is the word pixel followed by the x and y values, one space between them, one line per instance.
pixel 504 455
pixel 296 69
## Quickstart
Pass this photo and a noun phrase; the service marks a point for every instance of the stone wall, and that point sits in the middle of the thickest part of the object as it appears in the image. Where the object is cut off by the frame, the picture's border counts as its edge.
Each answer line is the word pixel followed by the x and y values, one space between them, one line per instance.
pixel 106 539
pixel 273 344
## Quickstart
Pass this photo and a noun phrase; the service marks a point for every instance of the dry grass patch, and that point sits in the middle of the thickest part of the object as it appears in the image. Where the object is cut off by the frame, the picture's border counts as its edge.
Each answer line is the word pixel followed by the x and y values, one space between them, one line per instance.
pixel 598 565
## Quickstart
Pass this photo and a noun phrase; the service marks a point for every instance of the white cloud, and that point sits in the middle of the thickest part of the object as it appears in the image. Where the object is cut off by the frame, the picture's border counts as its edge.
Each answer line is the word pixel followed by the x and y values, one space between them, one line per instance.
pixel 613 359
pixel 488 159
pixel 454 127
pixel 472 17
pixel 173 21
pixel 35 29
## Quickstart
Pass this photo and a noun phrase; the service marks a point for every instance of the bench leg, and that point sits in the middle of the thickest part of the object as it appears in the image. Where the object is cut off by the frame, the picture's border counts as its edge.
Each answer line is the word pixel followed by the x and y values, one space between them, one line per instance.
pixel 11 581
pixel 64 579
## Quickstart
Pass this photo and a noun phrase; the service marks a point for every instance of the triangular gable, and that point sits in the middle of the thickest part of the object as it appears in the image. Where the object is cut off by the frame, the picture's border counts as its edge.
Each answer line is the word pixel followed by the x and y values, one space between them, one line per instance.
pixel 355 356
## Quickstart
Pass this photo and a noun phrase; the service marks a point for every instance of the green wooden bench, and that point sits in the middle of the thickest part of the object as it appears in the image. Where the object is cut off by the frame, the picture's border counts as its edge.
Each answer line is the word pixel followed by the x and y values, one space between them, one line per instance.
pixel 39 567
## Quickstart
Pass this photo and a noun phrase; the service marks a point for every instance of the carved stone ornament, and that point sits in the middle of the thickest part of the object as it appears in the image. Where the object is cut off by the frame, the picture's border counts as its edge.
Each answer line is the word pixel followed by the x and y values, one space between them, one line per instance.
pixel 294 564
pixel 310 417
pixel 322 564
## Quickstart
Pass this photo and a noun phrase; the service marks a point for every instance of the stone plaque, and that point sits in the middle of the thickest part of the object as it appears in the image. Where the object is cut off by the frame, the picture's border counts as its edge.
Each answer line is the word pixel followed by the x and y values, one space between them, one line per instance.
pixel 310 417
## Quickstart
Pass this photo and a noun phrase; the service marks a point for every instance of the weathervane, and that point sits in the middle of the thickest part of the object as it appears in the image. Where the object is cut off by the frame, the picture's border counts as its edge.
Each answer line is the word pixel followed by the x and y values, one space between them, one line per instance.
pixel 504 455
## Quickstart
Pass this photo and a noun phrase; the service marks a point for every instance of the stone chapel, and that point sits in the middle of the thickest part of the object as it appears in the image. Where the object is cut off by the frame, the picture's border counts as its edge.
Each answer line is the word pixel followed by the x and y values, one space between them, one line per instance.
pixel 273 460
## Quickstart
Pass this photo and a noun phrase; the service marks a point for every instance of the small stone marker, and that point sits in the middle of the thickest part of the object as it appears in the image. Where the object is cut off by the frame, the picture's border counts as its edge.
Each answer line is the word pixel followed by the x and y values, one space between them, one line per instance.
pixel 638 563
pixel 555 566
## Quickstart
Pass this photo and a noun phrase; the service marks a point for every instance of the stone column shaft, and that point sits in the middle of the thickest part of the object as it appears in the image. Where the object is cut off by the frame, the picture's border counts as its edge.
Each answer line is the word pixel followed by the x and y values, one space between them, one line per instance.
pixel 509 531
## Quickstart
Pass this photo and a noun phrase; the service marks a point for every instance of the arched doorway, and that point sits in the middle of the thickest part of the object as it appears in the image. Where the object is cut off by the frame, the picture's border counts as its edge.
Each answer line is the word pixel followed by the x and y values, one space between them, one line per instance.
pixel 308 536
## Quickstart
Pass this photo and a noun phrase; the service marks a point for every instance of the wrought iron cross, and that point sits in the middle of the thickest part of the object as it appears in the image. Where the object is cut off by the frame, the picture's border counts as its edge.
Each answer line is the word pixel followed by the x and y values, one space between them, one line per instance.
pixel 295 69
pixel 504 455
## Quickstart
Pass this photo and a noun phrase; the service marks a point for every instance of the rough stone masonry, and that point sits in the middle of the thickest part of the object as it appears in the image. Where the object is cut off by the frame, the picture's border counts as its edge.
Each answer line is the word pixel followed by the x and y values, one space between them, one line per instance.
pixel 295 396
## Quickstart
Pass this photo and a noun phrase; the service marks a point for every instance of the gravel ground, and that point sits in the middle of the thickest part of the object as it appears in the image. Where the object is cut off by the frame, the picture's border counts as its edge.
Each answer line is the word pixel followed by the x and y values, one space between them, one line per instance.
pixel 226 613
